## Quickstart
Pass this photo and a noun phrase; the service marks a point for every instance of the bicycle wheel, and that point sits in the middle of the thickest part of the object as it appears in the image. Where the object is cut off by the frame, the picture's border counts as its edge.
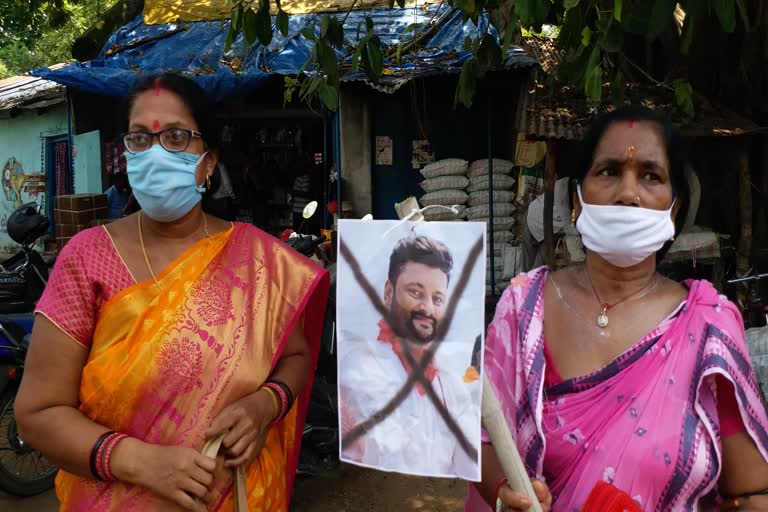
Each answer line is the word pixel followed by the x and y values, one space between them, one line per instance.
pixel 23 470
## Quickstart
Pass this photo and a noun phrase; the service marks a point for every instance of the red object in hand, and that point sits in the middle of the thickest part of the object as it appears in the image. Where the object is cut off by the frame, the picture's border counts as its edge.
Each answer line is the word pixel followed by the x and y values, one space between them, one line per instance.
pixel 285 235
pixel 333 207
pixel 607 498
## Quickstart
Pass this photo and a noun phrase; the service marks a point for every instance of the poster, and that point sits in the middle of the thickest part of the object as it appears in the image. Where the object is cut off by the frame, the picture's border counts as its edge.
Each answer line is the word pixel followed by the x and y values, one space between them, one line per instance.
pixel 422 154
pixel 383 150
pixel 411 332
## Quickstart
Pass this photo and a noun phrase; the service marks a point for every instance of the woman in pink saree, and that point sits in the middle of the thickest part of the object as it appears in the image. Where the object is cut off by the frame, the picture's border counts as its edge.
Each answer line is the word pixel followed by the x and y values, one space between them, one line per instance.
pixel 610 372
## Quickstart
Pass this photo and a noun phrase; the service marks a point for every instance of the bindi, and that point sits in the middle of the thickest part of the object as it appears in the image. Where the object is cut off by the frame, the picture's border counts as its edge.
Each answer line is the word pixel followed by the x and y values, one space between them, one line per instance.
pixel 631 123
pixel 158 87
pixel 156 125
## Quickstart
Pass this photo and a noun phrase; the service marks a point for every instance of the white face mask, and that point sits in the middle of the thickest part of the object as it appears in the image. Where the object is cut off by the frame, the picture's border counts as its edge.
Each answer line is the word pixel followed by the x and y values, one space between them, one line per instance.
pixel 624 235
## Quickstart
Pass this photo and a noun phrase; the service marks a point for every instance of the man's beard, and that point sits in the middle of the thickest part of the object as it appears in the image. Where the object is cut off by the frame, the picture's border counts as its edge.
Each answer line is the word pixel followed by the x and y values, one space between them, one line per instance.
pixel 405 327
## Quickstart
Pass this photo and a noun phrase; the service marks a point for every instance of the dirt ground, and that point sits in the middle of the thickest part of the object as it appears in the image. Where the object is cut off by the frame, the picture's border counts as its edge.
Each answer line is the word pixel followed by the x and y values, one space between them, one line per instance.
pixel 356 489
pixel 353 489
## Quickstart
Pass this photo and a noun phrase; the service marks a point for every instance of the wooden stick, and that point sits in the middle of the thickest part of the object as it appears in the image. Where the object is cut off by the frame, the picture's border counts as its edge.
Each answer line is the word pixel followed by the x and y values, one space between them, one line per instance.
pixel 496 426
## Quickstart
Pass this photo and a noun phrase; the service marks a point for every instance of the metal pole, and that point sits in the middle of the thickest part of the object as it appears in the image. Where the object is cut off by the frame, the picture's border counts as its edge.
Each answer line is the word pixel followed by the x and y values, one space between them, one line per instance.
pixel 490 194
pixel 337 158
pixel 326 187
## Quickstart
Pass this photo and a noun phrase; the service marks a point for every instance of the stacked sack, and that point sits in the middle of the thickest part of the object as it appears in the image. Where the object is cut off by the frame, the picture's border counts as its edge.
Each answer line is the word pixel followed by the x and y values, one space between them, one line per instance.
pixel 445 184
pixel 479 210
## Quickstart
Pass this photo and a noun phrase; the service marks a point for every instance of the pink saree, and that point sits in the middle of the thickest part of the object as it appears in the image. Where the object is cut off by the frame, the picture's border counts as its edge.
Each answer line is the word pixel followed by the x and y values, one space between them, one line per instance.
pixel 647 422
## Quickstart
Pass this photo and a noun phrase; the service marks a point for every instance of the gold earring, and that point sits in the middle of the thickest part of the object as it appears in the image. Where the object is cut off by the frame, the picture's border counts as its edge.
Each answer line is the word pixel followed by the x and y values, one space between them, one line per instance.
pixel 573 218
pixel 208 183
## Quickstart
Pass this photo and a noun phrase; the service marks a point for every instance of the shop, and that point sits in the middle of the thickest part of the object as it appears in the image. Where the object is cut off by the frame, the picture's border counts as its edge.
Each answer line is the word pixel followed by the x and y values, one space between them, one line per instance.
pixel 41 157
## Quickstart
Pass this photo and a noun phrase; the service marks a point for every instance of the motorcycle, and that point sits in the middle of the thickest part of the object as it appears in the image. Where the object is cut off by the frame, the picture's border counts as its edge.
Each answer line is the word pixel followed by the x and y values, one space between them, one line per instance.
pixel 320 439
pixel 23 470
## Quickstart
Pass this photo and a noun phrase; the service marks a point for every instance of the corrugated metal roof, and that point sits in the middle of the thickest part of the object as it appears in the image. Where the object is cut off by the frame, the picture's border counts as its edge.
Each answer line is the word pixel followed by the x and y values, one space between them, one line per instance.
pixel 30 92
pixel 564 113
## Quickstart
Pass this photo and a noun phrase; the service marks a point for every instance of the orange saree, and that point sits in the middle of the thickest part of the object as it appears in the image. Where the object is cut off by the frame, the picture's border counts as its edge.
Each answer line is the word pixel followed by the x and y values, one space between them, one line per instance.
pixel 165 360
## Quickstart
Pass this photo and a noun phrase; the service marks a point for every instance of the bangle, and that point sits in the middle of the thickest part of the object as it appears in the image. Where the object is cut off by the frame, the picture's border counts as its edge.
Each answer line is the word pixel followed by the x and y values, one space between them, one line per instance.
pixel 107 460
pixel 280 392
pixel 288 393
pixel 502 482
pixel 275 401
pixel 95 454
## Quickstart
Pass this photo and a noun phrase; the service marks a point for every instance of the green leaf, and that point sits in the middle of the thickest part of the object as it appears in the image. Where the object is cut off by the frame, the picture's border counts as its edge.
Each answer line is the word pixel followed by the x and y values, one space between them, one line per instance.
pixel 375 59
pixel 465 90
pixel 401 3
pixel 617 8
pixel 509 33
pixel 325 22
pixel 612 39
pixel 687 36
pixel 328 95
pixel 467 44
pixel 264 5
pixel 336 33
pixel 410 28
pixel 726 13
pixel 309 33
pixel 326 57
pixel 358 53
pixel 264 26
pixel 250 27
pixel 489 55
pixel 570 4
pixel 369 23
pixel 661 17
pixel 744 15
pixel 237 19
pixel 586 36
pixel 593 84
pixel 282 22
pixel 313 85
pixel 684 96
pixel 230 39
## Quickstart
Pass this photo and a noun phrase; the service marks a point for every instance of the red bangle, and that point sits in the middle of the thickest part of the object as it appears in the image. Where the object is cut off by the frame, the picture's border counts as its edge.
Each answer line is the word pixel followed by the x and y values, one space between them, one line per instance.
pixel 100 456
pixel 108 457
pixel 502 482
pixel 283 399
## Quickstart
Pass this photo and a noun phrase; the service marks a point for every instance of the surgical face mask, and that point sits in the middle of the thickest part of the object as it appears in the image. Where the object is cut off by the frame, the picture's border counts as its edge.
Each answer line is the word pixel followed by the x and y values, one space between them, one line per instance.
pixel 164 182
pixel 624 235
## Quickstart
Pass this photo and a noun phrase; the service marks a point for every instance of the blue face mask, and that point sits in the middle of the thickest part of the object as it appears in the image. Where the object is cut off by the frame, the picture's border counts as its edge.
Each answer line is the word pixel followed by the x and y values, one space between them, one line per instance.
pixel 164 182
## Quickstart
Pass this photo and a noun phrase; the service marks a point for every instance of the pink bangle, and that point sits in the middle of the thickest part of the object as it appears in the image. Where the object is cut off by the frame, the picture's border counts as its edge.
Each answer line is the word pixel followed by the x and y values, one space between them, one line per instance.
pixel 106 465
pixel 283 399
pixel 100 456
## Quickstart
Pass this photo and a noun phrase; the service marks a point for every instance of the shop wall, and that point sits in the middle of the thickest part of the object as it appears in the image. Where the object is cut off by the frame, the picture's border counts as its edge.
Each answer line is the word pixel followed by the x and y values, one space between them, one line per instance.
pixel 23 139
pixel 87 152
pixel 22 157
pixel 426 110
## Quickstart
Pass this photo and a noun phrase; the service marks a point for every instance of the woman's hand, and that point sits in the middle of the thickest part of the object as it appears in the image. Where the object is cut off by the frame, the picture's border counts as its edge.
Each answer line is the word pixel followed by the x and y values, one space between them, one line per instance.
pixel 179 474
pixel 245 424
pixel 518 501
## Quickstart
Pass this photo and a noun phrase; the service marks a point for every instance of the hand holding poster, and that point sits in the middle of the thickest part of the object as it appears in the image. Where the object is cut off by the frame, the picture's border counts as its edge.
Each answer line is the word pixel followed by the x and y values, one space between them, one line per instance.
pixel 410 329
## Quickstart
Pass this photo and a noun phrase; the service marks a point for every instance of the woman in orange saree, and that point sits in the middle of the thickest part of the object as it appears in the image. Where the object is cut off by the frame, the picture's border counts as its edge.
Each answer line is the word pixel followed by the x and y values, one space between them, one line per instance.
pixel 171 362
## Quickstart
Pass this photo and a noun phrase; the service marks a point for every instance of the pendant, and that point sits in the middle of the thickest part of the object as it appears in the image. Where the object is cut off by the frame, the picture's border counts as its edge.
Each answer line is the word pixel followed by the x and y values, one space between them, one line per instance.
pixel 602 318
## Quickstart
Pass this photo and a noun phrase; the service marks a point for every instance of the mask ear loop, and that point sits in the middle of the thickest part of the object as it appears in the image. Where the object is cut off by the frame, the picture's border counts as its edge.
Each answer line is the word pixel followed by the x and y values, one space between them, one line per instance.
pixel 203 189
pixel 453 209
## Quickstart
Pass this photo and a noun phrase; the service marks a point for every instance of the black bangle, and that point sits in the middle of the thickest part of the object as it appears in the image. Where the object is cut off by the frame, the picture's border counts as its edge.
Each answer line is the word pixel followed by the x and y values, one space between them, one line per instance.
pixel 95 452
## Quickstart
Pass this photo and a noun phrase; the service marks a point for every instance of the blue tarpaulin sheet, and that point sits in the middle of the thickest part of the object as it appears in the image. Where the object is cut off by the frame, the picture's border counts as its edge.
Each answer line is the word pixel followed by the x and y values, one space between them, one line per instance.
pixel 197 50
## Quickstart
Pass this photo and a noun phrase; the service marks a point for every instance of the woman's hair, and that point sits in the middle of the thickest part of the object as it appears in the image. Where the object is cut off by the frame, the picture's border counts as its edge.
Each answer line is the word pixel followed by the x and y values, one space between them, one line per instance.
pixel 674 146
pixel 196 101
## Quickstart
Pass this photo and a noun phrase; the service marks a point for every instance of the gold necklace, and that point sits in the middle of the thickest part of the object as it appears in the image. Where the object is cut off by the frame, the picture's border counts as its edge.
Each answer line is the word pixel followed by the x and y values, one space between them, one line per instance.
pixel 144 249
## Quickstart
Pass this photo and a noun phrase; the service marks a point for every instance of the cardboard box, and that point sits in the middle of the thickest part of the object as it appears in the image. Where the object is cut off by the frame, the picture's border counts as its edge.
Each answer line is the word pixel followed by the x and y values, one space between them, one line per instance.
pixel 69 230
pixel 79 209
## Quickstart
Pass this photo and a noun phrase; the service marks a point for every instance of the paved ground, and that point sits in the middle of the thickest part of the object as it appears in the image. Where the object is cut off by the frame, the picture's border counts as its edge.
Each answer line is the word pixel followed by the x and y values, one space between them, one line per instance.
pixel 352 490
